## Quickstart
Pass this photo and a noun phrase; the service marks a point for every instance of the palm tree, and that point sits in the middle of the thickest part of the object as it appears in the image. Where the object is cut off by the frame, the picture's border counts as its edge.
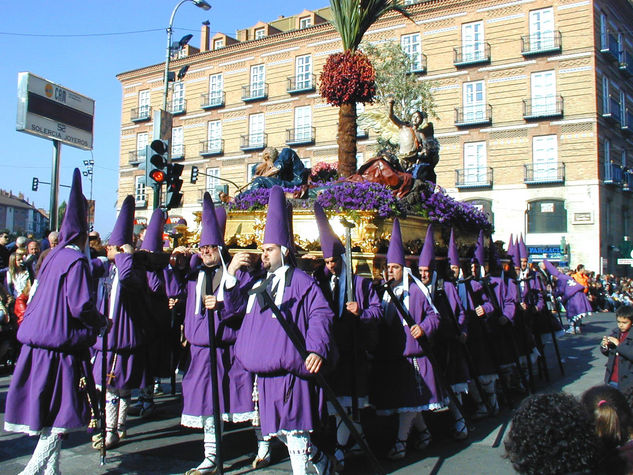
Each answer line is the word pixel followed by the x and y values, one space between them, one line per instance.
pixel 348 77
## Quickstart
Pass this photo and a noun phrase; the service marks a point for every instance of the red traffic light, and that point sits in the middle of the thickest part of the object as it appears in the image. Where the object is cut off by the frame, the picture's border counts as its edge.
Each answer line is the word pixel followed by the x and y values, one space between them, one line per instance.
pixel 158 176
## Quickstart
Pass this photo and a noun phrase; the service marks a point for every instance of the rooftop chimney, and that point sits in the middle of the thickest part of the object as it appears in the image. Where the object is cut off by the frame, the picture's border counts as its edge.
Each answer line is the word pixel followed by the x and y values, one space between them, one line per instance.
pixel 204 37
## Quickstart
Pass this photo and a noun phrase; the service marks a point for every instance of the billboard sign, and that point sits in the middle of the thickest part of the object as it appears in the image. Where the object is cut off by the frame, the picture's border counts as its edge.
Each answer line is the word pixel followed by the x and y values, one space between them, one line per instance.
pixel 54 112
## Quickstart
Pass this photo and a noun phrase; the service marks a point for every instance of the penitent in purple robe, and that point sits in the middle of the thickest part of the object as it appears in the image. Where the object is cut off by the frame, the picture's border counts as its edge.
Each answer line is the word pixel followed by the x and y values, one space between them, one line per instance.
pixel 127 341
pixel 60 325
pixel 572 294
pixel 288 399
pixel 403 378
pixel 158 327
pixel 236 384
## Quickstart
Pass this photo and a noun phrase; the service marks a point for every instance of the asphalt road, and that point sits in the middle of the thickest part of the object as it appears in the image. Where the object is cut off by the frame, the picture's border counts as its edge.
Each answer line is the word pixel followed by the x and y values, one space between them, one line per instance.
pixel 161 446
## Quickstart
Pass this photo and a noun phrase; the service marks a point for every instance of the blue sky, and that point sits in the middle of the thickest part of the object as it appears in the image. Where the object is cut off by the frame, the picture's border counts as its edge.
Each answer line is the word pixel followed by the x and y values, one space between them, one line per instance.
pixel 35 37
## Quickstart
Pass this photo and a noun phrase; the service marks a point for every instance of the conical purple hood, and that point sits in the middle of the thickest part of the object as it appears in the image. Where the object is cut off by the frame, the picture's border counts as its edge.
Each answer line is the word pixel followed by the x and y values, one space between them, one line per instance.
pixel 395 253
pixel 220 215
pixel 153 241
pixel 123 231
pixel 494 261
pixel 480 255
pixel 277 226
pixel 427 256
pixel 330 243
pixel 512 252
pixel 523 252
pixel 551 268
pixel 75 220
pixel 210 233
pixel 453 255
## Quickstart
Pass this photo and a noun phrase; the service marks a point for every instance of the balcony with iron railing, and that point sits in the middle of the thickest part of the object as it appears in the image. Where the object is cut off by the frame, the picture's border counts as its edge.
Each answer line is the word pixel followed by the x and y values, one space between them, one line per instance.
pixel 543 107
pixel 467 116
pixel 211 147
pixel 473 178
pixel 626 63
pixel 141 114
pixel 544 174
pixel 212 100
pixel 214 192
pixel 474 53
pixel 300 136
pixel 627 184
pixel 540 43
pixel 627 121
pixel 613 174
pixel 253 141
pixel 178 107
pixel 613 112
pixel 612 48
pixel 178 151
pixel 254 92
pixel 136 157
pixel 301 83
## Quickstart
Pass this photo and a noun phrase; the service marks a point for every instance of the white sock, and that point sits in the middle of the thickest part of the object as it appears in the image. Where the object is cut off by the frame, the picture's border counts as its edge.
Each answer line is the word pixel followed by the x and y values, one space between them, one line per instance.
pixel 405 420
pixel 299 450
pixel 263 446
pixel 124 404
pixel 420 423
pixel 210 444
pixel 112 411
pixel 46 452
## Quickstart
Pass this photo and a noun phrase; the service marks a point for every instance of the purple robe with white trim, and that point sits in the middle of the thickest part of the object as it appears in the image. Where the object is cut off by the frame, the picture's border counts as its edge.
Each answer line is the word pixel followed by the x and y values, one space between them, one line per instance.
pixel 289 400
pixel 60 324
pixel 572 294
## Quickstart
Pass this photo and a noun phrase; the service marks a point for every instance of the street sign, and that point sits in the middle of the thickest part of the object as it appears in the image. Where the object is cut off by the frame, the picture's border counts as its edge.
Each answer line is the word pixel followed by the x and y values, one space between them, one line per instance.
pixel 54 112
pixel 622 261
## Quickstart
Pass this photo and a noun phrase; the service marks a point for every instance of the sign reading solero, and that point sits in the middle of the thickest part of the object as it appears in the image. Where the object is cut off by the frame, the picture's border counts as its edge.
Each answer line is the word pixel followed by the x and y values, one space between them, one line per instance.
pixel 51 111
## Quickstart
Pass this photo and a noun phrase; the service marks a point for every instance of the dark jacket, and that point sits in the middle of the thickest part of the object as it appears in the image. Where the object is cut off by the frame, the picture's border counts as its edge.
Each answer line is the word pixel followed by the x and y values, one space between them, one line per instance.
pixel 625 367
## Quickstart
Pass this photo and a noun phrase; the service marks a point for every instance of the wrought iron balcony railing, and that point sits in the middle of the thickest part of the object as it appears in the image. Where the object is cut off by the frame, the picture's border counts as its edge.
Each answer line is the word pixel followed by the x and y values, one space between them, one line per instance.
pixel 212 100
pixel 473 177
pixel 253 141
pixel 551 106
pixel 542 174
pixel 212 147
pixel 474 53
pixel 141 114
pixel 301 83
pixel 136 157
pixel 539 43
pixel 473 115
pixel 300 136
pixel 254 92
pixel 178 107
pixel 613 174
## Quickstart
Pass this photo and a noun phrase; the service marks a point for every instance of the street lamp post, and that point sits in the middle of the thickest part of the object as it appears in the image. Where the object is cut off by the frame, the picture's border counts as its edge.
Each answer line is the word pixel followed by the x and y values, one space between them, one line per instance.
pixel 88 172
pixel 200 4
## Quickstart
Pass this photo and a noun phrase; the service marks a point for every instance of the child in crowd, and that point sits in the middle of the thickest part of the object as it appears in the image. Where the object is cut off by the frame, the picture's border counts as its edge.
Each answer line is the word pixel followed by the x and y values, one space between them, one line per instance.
pixel 619 349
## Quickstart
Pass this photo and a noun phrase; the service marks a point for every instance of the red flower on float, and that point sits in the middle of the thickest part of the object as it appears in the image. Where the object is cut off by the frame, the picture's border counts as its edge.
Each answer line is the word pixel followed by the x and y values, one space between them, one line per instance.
pixel 348 77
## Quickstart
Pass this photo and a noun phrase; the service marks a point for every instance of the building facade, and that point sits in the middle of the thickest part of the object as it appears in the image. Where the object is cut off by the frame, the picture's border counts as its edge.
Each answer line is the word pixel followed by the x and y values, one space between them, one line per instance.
pixel 534 106
pixel 19 216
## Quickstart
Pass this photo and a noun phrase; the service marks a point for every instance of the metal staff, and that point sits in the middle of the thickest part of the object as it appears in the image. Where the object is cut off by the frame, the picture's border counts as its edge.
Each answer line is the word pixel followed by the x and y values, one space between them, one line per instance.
pixel 485 282
pixel 424 345
pixel 215 395
pixel 466 353
pixel 299 344
pixel 491 349
pixel 174 349
pixel 349 287
pixel 104 385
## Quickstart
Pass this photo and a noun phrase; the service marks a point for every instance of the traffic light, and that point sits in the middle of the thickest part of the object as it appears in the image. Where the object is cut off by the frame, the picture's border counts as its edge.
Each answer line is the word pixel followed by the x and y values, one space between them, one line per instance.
pixel 157 155
pixel 173 195
pixel 36 183
pixel 194 174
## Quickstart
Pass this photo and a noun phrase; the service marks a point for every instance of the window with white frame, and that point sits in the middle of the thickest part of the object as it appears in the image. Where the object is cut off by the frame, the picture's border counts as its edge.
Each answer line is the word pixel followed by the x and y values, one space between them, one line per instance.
pixel 412 46
pixel 303 72
pixel 542 29
pixel 139 190
pixel 473 47
pixel 305 22
pixel 141 144
pixel 474 100
pixel 258 79
pixel 606 109
pixel 303 124
pixel 260 33
pixel 475 171
pixel 604 32
pixel 177 142
pixel 543 84
pixel 256 130
pixel 214 136
pixel 218 43
pixel 216 87
pixel 143 103
pixel 545 157
pixel 213 183
pixel 178 97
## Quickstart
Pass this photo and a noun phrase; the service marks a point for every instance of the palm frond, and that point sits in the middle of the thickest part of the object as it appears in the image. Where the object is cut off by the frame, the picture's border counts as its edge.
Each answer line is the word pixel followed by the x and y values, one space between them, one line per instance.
pixel 352 18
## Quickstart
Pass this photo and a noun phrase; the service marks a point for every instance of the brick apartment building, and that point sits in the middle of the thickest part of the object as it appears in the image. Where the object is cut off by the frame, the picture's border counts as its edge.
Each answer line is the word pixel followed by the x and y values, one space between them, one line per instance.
pixel 534 101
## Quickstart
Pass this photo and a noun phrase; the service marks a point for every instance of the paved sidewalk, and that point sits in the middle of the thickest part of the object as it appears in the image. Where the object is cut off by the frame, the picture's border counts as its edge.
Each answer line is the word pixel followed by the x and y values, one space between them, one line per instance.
pixel 162 446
